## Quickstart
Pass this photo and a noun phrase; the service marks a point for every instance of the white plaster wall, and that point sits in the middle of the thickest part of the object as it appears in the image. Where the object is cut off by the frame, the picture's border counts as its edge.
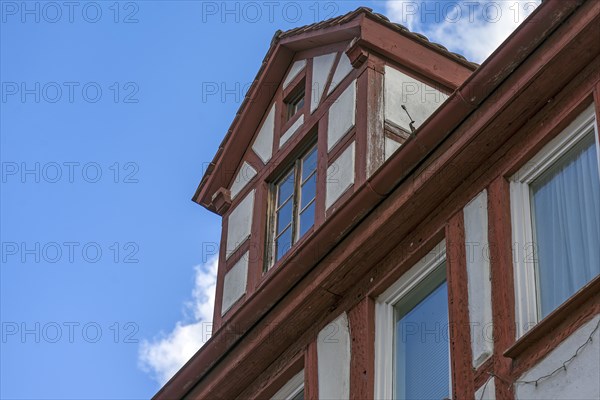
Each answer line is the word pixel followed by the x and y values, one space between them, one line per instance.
pixel 478 276
pixel 342 115
pixel 244 175
pixel 390 147
pixel 340 175
pixel 263 144
pixel 291 130
pixel 234 283
pixel 420 100
pixel 297 67
pixel 580 381
pixel 240 223
pixel 343 68
pixel 487 391
pixel 333 359
pixel 320 72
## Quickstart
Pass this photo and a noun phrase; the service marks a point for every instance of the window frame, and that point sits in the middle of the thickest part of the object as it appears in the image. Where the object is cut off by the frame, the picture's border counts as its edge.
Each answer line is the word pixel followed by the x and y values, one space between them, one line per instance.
pixel 292 103
pixel 294 168
pixel 527 308
pixel 291 389
pixel 385 319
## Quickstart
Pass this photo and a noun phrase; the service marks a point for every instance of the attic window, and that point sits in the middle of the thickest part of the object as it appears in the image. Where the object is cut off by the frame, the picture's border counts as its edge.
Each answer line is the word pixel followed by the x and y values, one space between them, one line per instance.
pixel 293 204
pixel 295 101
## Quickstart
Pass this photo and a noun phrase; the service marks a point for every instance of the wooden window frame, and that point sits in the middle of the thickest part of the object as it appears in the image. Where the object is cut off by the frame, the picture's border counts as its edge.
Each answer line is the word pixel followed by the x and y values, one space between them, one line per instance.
pixel 296 90
pixel 527 311
pixel 297 95
pixel 385 319
pixel 291 389
pixel 294 168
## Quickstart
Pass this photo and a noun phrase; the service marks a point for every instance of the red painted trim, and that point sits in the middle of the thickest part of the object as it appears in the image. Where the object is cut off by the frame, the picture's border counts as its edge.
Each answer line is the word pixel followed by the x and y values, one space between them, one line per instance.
pixel 271 385
pixel 597 103
pixel 361 126
pixel 321 172
pixel 556 327
pixel 221 270
pixel 362 362
pixel 322 50
pixel 482 375
pixel 363 200
pixel 257 246
pixel 311 372
pixel 342 145
pixel 277 62
pixel 412 54
pixel 458 301
pixel 501 269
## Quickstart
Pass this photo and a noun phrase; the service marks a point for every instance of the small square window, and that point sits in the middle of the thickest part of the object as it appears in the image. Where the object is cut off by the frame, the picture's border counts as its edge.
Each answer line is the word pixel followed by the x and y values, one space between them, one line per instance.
pixel 295 101
pixel 555 205
pixel 294 197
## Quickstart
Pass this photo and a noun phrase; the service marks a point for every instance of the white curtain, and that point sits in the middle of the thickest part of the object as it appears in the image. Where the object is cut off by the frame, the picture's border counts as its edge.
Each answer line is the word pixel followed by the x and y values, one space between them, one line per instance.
pixel 566 205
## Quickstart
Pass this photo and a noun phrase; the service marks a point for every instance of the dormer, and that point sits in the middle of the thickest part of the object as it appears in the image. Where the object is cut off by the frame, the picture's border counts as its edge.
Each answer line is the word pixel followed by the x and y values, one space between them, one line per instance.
pixel 331 103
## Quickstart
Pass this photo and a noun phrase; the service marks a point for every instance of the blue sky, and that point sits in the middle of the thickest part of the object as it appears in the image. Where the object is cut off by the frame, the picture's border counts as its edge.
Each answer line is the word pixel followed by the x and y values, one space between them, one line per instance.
pixel 109 110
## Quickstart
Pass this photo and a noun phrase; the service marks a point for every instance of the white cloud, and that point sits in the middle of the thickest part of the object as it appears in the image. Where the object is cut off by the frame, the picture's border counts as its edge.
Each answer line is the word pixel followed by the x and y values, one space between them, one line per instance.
pixel 472 28
pixel 165 355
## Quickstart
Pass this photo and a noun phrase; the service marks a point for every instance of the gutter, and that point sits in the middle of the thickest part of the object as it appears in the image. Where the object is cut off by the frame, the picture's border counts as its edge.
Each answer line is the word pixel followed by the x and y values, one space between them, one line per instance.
pixel 460 105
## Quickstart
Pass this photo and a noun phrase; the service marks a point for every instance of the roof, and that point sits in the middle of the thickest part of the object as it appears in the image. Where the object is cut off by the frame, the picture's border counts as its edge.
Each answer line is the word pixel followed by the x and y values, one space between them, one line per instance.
pixel 376 16
pixel 332 22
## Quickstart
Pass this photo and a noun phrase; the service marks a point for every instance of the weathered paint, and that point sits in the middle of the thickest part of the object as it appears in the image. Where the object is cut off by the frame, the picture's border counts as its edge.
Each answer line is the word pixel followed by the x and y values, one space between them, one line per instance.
pixel 375 149
pixel 420 99
pixel 333 355
pixel 478 275
pixel 320 73
pixel 234 283
pixel 297 67
pixel 342 116
pixel 291 130
pixel 263 144
pixel 485 145
pixel 341 71
pixel 340 175
pixel 580 380
pixel 239 223
pixel 244 175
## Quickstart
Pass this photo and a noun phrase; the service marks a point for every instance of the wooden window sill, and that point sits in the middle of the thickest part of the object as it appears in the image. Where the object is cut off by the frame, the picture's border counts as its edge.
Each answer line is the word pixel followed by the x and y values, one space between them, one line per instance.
pixel 577 306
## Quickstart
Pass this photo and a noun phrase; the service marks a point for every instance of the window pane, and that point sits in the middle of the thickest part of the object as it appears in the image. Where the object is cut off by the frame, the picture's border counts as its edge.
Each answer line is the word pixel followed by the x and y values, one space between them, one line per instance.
pixel 299 396
pixel 307 219
pixel 286 188
pixel 300 103
pixel 309 164
pixel 284 216
pixel 566 221
pixel 422 347
pixel 309 189
pixel 283 244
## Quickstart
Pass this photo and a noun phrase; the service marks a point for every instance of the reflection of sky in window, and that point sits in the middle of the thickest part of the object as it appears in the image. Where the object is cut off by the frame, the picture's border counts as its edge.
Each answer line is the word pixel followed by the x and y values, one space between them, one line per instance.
pixel 308 191
pixel 422 346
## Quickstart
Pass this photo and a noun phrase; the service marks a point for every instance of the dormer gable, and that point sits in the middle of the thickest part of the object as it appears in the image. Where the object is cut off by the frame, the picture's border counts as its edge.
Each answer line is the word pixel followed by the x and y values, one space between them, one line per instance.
pixel 331 103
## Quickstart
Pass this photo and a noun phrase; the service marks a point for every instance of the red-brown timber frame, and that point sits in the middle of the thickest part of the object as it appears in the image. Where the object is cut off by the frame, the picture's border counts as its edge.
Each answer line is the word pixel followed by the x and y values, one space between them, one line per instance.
pixel 524 95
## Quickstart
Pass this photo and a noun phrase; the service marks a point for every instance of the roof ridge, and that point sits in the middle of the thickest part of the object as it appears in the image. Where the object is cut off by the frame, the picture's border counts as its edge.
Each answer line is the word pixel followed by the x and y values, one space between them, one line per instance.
pixel 378 16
